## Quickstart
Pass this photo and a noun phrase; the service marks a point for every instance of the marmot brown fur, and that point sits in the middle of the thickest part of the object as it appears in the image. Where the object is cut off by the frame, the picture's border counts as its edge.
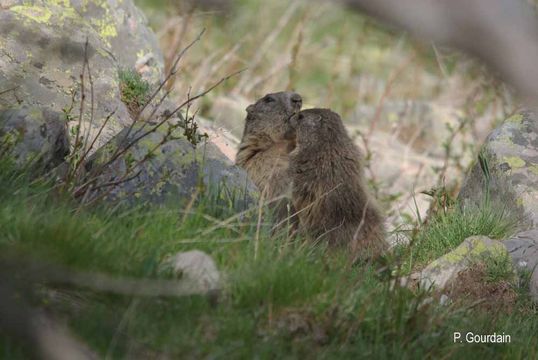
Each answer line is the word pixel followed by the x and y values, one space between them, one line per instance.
pixel 263 151
pixel 329 191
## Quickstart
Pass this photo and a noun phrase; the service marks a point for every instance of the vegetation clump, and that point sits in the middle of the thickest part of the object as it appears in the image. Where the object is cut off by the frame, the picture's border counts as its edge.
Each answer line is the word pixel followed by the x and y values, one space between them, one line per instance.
pixel 135 91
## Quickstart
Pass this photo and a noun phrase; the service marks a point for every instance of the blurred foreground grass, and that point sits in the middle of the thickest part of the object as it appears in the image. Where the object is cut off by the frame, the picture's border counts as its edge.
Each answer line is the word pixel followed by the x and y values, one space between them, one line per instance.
pixel 291 300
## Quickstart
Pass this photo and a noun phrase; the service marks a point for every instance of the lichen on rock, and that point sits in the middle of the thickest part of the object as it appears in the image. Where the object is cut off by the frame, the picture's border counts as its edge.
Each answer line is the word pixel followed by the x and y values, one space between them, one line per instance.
pixel 505 174
pixel 43 53
pixel 445 269
pixel 160 169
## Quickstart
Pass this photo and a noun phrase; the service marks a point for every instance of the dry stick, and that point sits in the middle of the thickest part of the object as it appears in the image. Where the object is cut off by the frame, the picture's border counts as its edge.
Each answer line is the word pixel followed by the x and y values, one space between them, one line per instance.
pixel 224 60
pixel 8 90
pixel 128 313
pixel 220 241
pixel 82 98
pixel 258 225
pixel 170 115
pixel 117 285
pixel 171 73
pixel 203 71
pixel 92 104
pixel 177 45
pixel 255 82
pixel 109 116
pixel 124 149
pixel 167 117
pixel 305 208
pixel 234 217
pixel 112 183
pixel 189 206
pixel 295 54
pixel 266 45
pixel 386 93
pixel 448 152
pixel 178 36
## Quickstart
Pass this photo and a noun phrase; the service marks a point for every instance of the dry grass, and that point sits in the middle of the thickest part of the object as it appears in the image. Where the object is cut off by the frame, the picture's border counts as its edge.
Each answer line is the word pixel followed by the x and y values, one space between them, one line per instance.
pixel 338 59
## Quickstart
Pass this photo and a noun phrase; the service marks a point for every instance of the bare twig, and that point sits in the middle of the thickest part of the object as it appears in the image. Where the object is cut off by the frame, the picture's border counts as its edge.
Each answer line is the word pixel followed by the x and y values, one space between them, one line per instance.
pixel 266 45
pixel 8 90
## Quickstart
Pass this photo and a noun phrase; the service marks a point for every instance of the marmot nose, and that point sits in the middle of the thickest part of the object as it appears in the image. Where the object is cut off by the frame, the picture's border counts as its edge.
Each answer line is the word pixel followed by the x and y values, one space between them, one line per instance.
pixel 296 99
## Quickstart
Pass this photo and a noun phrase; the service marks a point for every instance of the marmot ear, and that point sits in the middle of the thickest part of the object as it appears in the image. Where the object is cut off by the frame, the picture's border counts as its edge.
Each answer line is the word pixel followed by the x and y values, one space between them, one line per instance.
pixel 250 108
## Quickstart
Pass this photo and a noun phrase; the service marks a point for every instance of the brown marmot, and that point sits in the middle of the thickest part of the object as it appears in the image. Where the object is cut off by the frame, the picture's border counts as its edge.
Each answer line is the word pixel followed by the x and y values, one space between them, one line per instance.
pixel 263 151
pixel 329 191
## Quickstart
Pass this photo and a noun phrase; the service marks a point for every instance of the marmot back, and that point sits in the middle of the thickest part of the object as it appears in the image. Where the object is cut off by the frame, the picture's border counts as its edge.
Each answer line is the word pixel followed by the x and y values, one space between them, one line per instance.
pixel 329 191
pixel 263 151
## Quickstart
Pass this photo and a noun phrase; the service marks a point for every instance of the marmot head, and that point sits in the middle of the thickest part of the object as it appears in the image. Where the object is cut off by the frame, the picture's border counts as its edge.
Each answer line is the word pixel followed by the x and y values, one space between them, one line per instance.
pixel 315 127
pixel 269 115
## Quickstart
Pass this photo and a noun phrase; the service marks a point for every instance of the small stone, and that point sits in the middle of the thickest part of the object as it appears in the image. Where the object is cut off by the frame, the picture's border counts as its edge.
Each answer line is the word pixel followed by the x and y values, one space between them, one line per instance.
pixel 444 300
pixel 195 266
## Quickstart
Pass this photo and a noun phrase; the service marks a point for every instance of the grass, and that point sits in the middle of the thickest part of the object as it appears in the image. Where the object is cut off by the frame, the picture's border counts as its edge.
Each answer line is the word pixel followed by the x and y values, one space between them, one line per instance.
pixel 293 301
pixel 498 268
pixel 135 91
pixel 446 230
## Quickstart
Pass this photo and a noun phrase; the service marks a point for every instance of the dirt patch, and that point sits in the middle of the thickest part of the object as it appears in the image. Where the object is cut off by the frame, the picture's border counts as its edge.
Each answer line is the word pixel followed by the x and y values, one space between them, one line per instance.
pixel 471 287
pixel 297 324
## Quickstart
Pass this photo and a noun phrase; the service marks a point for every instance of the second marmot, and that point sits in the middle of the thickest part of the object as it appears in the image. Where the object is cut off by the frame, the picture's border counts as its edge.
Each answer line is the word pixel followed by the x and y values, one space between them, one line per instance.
pixel 328 186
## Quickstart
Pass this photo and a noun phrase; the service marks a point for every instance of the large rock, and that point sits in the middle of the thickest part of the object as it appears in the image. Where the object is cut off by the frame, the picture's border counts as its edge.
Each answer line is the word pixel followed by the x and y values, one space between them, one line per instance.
pixel 229 114
pixel 506 172
pixel 523 249
pixel 159 170
pixel 42 51
pixel 445 269
pixel 34 137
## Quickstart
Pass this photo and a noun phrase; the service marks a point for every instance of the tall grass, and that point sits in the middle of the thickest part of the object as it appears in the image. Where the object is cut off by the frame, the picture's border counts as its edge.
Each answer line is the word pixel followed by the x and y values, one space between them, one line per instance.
pixel 446 230
pixel 292 300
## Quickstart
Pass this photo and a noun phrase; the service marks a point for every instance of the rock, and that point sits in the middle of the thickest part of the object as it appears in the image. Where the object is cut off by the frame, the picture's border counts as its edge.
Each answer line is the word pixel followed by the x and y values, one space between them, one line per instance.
pixel 523 249
pixel 35 137
pixel 445 269
pixel 43 49
pixel 506 172
pixel 197 267
pixel 169 172
pixel 226 142
pixel 229 114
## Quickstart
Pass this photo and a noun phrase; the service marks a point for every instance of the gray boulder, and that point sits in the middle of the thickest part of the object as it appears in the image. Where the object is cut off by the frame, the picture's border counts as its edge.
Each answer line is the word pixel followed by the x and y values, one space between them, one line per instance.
pixel 161 168
pixel 34 137
pixel 506 175
pixel 523 249
pixel 43 49
pixel 506 172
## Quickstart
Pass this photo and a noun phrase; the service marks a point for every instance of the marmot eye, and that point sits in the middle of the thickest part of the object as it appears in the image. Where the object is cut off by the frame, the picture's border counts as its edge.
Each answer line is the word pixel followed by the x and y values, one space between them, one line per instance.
pixel 300 117
pixel 269 99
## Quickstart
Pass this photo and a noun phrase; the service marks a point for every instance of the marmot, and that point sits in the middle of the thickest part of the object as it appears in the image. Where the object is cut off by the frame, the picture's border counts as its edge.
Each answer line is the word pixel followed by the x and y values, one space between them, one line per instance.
pixel 329 191
pixel 263 151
